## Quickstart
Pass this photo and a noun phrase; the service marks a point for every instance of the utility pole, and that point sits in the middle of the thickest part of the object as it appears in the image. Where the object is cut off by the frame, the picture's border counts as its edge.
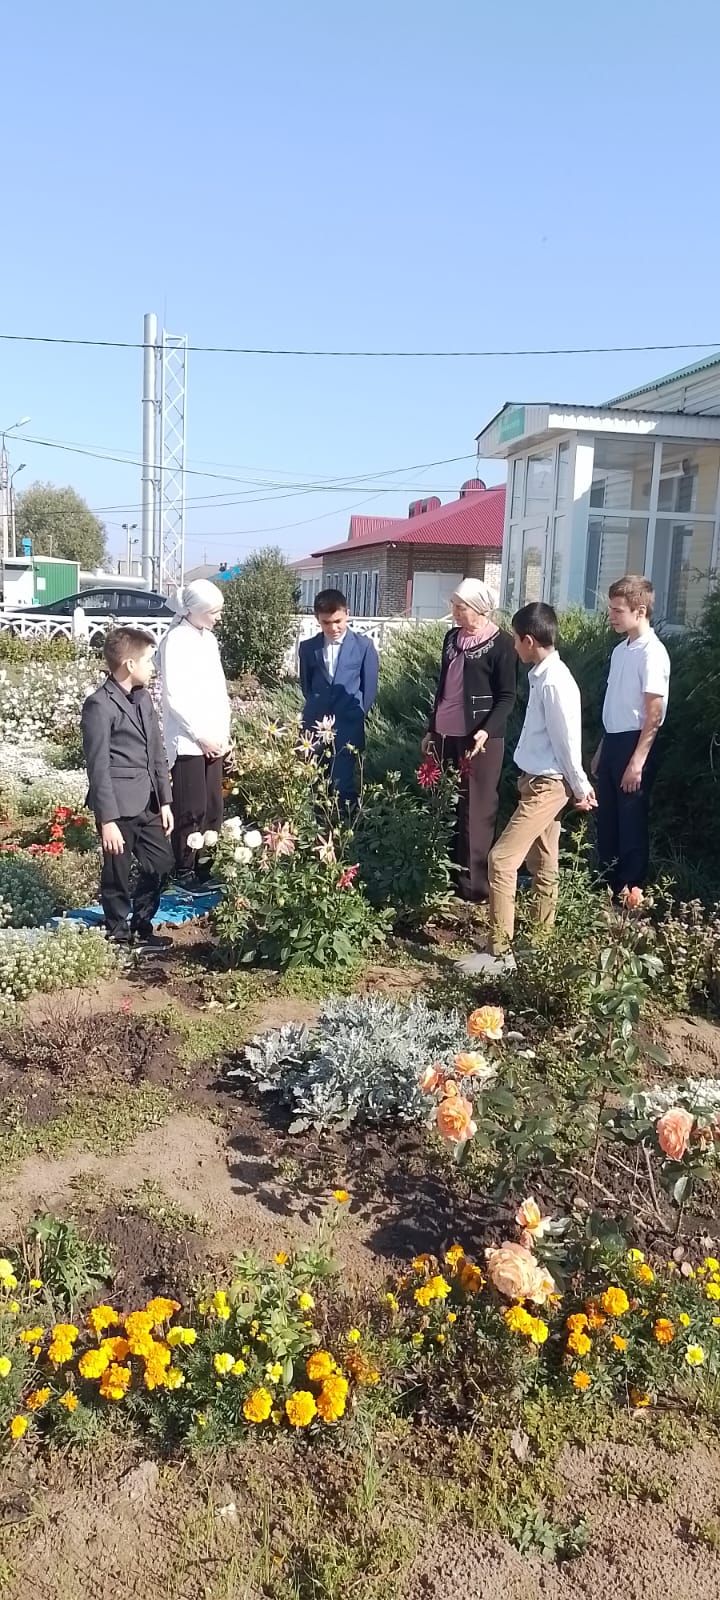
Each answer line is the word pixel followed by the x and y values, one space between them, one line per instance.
pixel 13 539
pixel 5 486
pixel 149 450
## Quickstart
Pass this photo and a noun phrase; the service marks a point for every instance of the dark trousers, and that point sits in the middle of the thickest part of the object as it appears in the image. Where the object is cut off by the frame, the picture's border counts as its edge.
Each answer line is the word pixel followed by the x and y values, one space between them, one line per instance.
pixel 197 803
pixel 477 809
pixel 147 844
pixel 344 776
pixel 623 832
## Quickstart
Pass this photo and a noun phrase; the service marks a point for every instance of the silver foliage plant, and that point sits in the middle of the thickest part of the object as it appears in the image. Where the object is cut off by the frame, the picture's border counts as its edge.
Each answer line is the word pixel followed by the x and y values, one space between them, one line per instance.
pixel 360 1062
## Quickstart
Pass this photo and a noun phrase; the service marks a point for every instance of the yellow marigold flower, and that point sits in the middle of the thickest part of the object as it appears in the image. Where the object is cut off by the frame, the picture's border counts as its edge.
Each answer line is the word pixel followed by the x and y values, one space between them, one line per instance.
pixel 577 1322
pixel 116 1348
pixel 332 1399
pixel 281 1258
pixel 300 1408
pixel 5 1366
pixel 238 1368
pixel 258 1405
pixel 454 1255
pixel 684 1319
pixel 595 1320
pixel 37 1399
pixel 6 1269
pixel 221 1305
pixel 36 1350
pixel 31 1335
pixel 341 1196
pixel 645 1274
pixel 142 1344
pixel 712 1264
pixel 115 1382
pixel 452 1316
pixel 517 1319
pixel 161 1309
pixel 695 1355
pixel 94 1363
pixel 579 1344
pixel 419 1263
pixel 440 1287
pixel 353 1336
pixel 712 1291
pixel 69 1400
pixel 154 1376
pixel 100 1318
pixel 581 1380
pixel 19 1427
pixel 422 1296
pixel 179 1335
pixel 362 1370
pixel 392 1302
pixel 13 1306
pixel 65 1331
pixel 274 1371
pixel 36 1283
pixel 418 1339
pixel 60 1351
pixel 320 1365
pixel 306 1302
pixel 618 1341
pixel 440 1338
pixel 635 1255
pixel 201 1419
pixel 223 1363
pixel 664 1330
pixel 160 1353
pixel 639 1397
pixel 471 1278
pixel 539 1330
pixel 174 1378
pixel 716 1322
pixel 615 1301
pixel 138 1324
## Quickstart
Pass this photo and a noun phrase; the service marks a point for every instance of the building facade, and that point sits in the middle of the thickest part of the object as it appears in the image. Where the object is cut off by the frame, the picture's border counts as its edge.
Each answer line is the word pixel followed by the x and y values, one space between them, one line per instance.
pixel 596 491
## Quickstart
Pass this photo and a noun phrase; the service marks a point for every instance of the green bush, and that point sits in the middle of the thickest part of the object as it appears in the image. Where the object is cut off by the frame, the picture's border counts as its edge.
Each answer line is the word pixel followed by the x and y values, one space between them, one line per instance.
pixel 257 620
pixel 24 890
pixel 20 652
pixel 409 670
pixel 403 841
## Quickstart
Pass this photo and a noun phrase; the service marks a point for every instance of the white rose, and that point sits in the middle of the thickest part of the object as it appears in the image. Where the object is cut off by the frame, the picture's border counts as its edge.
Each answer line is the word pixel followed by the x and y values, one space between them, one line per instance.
pixel 242 855
pixel 253 839
pixel 210 839
pixel 233 828
pixel 195 841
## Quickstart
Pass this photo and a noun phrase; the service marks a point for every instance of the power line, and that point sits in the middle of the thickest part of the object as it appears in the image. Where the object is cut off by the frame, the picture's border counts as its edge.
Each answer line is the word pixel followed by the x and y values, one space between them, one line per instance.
pixel 250 350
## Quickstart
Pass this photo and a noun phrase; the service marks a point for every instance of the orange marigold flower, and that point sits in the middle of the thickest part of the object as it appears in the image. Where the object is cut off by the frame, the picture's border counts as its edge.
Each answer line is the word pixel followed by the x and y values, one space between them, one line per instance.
pixel 579 1343
pixel 614 1301
pixel 581 1380
pixel 664 1330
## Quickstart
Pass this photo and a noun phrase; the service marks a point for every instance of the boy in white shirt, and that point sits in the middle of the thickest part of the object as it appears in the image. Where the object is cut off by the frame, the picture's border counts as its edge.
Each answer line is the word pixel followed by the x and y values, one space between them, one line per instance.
pixel 634 710
pixel 549 755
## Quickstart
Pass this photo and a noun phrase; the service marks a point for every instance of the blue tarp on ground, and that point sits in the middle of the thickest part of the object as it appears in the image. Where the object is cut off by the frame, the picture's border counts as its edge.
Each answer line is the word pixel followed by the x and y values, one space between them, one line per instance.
pixel 176 907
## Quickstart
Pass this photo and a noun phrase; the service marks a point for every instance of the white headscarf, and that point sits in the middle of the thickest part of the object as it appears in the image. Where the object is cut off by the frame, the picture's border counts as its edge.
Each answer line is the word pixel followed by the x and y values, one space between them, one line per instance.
pixel 473 592
pixel 201 595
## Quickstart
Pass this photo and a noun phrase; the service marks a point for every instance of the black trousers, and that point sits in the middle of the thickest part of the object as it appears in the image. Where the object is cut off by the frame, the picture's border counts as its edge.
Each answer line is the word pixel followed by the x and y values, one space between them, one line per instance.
pixel 147 844
pixel 623 825
pixel 197 803
pixel 477 809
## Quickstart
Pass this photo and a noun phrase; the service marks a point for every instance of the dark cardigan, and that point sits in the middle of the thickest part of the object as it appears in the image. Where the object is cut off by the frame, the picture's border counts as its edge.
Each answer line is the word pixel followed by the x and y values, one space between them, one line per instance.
pixel 489 682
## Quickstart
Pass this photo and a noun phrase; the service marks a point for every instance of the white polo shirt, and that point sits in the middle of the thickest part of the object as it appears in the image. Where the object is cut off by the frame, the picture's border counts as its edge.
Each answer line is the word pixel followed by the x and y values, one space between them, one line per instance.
pixel 637 667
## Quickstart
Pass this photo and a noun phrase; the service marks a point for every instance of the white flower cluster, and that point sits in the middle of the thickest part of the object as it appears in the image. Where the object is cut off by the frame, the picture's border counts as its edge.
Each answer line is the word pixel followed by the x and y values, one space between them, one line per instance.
pixel 44 959
pixel 702 1094
pixel 45 701
pixel 246 840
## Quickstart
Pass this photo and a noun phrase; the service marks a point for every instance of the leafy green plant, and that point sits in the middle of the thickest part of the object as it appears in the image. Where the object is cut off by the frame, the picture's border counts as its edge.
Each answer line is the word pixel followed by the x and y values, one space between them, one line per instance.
pixel 360 1061
pixel 531 1532
pixel 257 620
pixel 403 844
pixel 70 1266
pixel 555 966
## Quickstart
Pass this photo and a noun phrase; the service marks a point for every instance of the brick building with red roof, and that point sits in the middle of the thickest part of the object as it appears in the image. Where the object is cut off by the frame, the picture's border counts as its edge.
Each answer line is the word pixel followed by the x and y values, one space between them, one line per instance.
pixel 390 566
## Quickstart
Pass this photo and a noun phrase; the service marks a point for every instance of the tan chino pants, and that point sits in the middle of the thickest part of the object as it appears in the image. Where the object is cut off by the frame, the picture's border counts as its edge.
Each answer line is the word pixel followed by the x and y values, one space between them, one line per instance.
pixel 532 835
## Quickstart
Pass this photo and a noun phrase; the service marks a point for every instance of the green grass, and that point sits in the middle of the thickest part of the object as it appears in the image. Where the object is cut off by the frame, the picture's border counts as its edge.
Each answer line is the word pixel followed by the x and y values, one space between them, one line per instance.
pixel 103 1123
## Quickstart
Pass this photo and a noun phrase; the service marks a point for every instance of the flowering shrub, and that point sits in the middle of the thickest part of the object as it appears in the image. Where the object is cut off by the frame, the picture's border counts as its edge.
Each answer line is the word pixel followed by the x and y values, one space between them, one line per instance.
pixel 360 1061
pixel 67 829
pixel 27 899
pixel 31 787
pixel 46 700
pixel 403 843
pixel 680 1124
pixel 44 959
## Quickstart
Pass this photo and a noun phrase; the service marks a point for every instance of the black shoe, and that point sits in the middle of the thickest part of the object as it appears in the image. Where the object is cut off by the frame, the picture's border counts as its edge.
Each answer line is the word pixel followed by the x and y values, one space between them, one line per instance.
pixel 119 941
pixel 145 941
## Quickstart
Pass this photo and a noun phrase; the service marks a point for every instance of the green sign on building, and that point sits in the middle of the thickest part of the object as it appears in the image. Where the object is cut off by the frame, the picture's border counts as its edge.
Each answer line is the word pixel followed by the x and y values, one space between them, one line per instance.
pixel 511 424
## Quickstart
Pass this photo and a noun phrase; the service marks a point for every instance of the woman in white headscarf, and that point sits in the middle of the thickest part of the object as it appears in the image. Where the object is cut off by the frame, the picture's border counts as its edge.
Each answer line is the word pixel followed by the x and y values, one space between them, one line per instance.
pixel 195 711
pixel 475 695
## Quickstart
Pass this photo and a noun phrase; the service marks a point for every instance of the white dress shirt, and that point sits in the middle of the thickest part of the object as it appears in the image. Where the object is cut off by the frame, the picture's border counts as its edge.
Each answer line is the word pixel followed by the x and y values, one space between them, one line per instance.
pixel 637 667
pixel 331 652
pixel 550 744
pixel 195 703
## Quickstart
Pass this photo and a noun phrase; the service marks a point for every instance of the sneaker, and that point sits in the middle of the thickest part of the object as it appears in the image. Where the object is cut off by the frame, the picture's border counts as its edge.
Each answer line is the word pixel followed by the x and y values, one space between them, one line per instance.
pixel 145 941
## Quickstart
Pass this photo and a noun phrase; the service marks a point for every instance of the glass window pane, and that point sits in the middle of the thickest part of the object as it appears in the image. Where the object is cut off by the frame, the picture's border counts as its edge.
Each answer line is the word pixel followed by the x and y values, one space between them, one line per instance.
pixel 622 470
pixel 688 478
pixel 559 558
pixel 563 471
pixel 516 503
pixel 681 568
pixel 532 572
pixel 616 545
pixel 511 580
pixel 538 486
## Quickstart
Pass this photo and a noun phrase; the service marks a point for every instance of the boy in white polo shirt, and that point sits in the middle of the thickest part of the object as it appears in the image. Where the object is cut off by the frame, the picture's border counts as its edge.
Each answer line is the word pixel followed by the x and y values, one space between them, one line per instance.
pixel 633 712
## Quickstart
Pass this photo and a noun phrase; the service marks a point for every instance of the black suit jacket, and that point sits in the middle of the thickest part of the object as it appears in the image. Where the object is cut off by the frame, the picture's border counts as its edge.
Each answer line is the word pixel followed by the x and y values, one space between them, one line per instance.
pixel 124 753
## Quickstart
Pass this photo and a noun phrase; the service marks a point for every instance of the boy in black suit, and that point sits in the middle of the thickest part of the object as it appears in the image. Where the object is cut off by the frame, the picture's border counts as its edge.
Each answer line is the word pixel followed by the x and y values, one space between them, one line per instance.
pixel 129 789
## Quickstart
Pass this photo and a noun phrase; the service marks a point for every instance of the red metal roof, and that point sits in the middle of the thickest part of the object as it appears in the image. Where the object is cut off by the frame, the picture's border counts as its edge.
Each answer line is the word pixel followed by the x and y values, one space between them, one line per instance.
pixel 475 520
pixel 361 527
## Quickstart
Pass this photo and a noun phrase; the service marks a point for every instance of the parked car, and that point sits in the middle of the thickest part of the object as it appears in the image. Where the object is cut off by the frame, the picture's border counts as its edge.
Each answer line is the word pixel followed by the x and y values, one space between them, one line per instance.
pixel 100 603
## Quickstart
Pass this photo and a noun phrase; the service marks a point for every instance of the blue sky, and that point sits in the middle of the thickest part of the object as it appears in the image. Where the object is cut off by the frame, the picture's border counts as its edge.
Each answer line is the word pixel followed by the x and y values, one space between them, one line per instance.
pixel 393 174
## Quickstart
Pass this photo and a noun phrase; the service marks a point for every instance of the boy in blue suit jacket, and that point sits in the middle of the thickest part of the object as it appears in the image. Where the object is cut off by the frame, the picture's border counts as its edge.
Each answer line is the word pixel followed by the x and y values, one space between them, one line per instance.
pixel 339 678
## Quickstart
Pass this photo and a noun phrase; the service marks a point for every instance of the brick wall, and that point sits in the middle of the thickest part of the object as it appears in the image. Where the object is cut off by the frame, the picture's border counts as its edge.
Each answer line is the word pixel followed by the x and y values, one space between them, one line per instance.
pixel 396 566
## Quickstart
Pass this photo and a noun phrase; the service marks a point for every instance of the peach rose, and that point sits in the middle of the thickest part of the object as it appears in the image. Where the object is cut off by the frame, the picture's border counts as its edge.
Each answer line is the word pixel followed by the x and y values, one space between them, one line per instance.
pixel 486 1023
pixel 470 1064
pixel 634 899
pixel 454 1119
pixel 515 1273
pixel 531 1220
pixel 430 1080
pixel 673 1132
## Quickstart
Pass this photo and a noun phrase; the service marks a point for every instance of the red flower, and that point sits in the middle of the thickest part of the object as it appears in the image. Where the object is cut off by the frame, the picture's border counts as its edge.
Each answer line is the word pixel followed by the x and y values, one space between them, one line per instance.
pixel 429 773
pixel 347 878
pixel 56 849
pixel 56 832
pixel 80 822
pixel 62 814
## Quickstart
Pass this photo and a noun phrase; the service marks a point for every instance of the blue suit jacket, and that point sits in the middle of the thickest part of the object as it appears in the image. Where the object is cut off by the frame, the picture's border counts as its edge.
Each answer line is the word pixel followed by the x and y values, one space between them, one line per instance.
pixel 349 695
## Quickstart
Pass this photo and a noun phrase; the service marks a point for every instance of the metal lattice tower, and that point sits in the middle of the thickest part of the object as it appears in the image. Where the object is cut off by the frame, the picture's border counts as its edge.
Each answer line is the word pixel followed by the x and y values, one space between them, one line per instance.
pixel 171 390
